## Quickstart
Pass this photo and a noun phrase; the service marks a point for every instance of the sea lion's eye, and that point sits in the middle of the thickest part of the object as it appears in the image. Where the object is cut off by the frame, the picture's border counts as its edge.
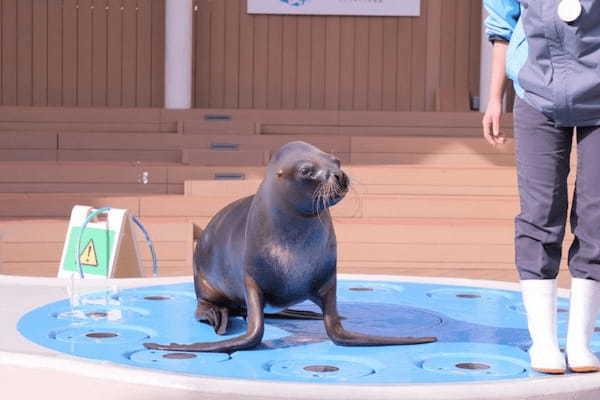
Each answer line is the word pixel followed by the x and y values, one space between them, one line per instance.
pixel 305 170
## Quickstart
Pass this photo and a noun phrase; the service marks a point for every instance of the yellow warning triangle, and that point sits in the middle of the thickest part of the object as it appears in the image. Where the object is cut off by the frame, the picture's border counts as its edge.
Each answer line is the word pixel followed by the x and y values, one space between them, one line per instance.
pixel 88 256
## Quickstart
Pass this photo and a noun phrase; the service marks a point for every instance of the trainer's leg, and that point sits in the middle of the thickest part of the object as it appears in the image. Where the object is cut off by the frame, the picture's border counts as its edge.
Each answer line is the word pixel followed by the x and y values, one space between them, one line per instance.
pixel 543 153
pixel 584 253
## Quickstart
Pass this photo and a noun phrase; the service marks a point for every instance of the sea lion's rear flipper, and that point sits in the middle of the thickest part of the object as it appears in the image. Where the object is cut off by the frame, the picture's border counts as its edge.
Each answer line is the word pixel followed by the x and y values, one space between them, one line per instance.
pixel 326 299
pixel 252 337
pixel 295 314
pixel 215 316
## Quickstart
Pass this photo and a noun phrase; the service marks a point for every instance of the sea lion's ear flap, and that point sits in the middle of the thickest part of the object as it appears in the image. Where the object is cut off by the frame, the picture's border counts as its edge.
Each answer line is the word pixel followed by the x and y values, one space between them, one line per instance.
pixel 280 173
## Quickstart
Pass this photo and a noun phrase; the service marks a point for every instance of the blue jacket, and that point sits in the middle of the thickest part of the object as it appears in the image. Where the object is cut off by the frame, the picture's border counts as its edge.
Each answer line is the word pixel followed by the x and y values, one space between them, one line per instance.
pixel 555 66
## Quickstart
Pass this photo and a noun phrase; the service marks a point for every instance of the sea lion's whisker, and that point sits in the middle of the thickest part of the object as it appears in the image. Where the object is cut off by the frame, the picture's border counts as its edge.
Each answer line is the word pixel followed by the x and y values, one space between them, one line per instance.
pixel 359 201
pixel 318 201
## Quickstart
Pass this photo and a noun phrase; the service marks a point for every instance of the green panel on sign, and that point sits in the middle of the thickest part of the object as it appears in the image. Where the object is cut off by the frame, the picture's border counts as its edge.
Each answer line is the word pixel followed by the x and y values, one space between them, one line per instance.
pixel 96 245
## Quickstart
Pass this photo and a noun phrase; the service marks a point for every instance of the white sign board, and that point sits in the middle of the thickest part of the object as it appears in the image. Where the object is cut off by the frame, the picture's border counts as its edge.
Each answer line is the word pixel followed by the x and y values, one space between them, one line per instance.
pixel 336 7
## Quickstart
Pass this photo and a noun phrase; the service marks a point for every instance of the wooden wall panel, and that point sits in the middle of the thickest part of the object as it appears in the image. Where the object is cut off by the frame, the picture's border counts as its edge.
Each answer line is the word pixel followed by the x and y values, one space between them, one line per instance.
pixel 9 52
pixel 99 52
pixel 332 64
pixel 69 53
pixel 448 47
pixel 54 44
pixel 427 63
pixel 24 53
pixel 275 62
pixel 201 65
pixel 289 62
pixel 317 65
pixel 390 64
pixel 82 53
pixel 418 59
pixel 144 55
pixel 347 64
pixel 304 56
pixel 110 53
pixel 217 54
pixel 129 63
pixel 474 46
pixel 375 81
pixel 115 53
pixel 40 53
pixel 246 67
pixel 1 51
pixel 158 51
pixel 433 41
pixel 408 60
pixel 232 54
pixel 461 66
pixel 261 66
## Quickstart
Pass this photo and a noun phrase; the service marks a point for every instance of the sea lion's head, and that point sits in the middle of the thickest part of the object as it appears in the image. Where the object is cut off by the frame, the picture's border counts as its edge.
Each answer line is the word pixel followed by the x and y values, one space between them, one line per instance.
pixel 309 179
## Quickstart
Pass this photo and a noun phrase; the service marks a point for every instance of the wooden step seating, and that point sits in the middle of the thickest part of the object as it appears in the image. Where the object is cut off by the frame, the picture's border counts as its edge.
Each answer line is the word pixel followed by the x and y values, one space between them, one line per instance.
pixel 38 205
pixel 110 178
pixel 415 220
pixel 242 137
pixel 397 180
pixel 240 150
pixel 430 197
pixel 396 217
pixel 127 178
pixel 378 123
pixel 82 119
pixel 197 149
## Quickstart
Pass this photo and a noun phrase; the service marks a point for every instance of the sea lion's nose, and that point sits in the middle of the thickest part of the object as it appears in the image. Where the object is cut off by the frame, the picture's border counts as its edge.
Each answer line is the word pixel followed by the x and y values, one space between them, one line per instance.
pixel 341 178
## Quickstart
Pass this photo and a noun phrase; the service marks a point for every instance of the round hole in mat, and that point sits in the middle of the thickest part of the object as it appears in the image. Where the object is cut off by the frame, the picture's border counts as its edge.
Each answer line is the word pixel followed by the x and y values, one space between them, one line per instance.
pixel 361 289
pixel 179 356
pixel 321 368
pixel 157 298
pixel 562 310
pixel 101 335
pixel 469 365
pixel 468 296
pixel 97 314
pixel 597 329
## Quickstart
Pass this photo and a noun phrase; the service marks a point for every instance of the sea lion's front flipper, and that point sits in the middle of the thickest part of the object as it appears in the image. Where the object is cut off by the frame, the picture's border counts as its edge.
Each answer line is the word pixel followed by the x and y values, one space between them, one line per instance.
pixel 215 316
pixel 252 337
pixel 295 314
pixel 326 299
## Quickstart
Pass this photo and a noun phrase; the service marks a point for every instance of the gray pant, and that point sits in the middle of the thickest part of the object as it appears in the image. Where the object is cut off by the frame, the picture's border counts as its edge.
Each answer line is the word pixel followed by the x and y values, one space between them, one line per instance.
pixel 543 152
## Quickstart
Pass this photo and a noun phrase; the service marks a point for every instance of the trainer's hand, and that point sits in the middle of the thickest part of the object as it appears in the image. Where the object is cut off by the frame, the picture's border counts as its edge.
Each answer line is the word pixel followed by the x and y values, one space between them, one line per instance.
pixel 491 123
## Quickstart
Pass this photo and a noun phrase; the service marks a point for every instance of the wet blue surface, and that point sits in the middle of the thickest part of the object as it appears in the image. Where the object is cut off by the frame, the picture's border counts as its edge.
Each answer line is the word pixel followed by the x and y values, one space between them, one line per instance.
pixel 482 335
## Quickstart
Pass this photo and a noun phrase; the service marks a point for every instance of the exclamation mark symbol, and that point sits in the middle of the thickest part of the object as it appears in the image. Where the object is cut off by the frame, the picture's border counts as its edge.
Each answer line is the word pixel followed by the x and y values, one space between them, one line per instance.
pixel 88 256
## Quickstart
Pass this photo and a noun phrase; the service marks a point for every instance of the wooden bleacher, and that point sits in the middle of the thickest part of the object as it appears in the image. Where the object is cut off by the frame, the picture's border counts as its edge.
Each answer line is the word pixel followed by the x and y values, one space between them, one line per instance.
pixel 430 197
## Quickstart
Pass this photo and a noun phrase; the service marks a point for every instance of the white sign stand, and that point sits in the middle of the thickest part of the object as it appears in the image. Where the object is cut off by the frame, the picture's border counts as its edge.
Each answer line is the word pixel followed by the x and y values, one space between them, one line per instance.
pixel 107 248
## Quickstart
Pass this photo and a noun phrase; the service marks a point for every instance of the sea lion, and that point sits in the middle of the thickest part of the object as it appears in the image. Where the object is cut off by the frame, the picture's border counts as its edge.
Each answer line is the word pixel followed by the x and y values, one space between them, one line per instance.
pixel 269 251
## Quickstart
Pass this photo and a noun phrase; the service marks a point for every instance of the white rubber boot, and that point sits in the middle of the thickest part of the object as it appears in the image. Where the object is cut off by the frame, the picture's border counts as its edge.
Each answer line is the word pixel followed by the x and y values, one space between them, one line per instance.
pixel 583 310
pixel 539 298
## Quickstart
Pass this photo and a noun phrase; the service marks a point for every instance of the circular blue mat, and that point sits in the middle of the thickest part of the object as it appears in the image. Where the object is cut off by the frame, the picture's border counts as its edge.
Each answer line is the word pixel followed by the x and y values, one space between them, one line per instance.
pixel 482 334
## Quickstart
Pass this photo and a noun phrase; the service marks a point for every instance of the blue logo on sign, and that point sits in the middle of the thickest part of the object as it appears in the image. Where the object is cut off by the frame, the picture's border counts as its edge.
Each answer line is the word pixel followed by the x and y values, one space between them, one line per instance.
pixel 295 3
